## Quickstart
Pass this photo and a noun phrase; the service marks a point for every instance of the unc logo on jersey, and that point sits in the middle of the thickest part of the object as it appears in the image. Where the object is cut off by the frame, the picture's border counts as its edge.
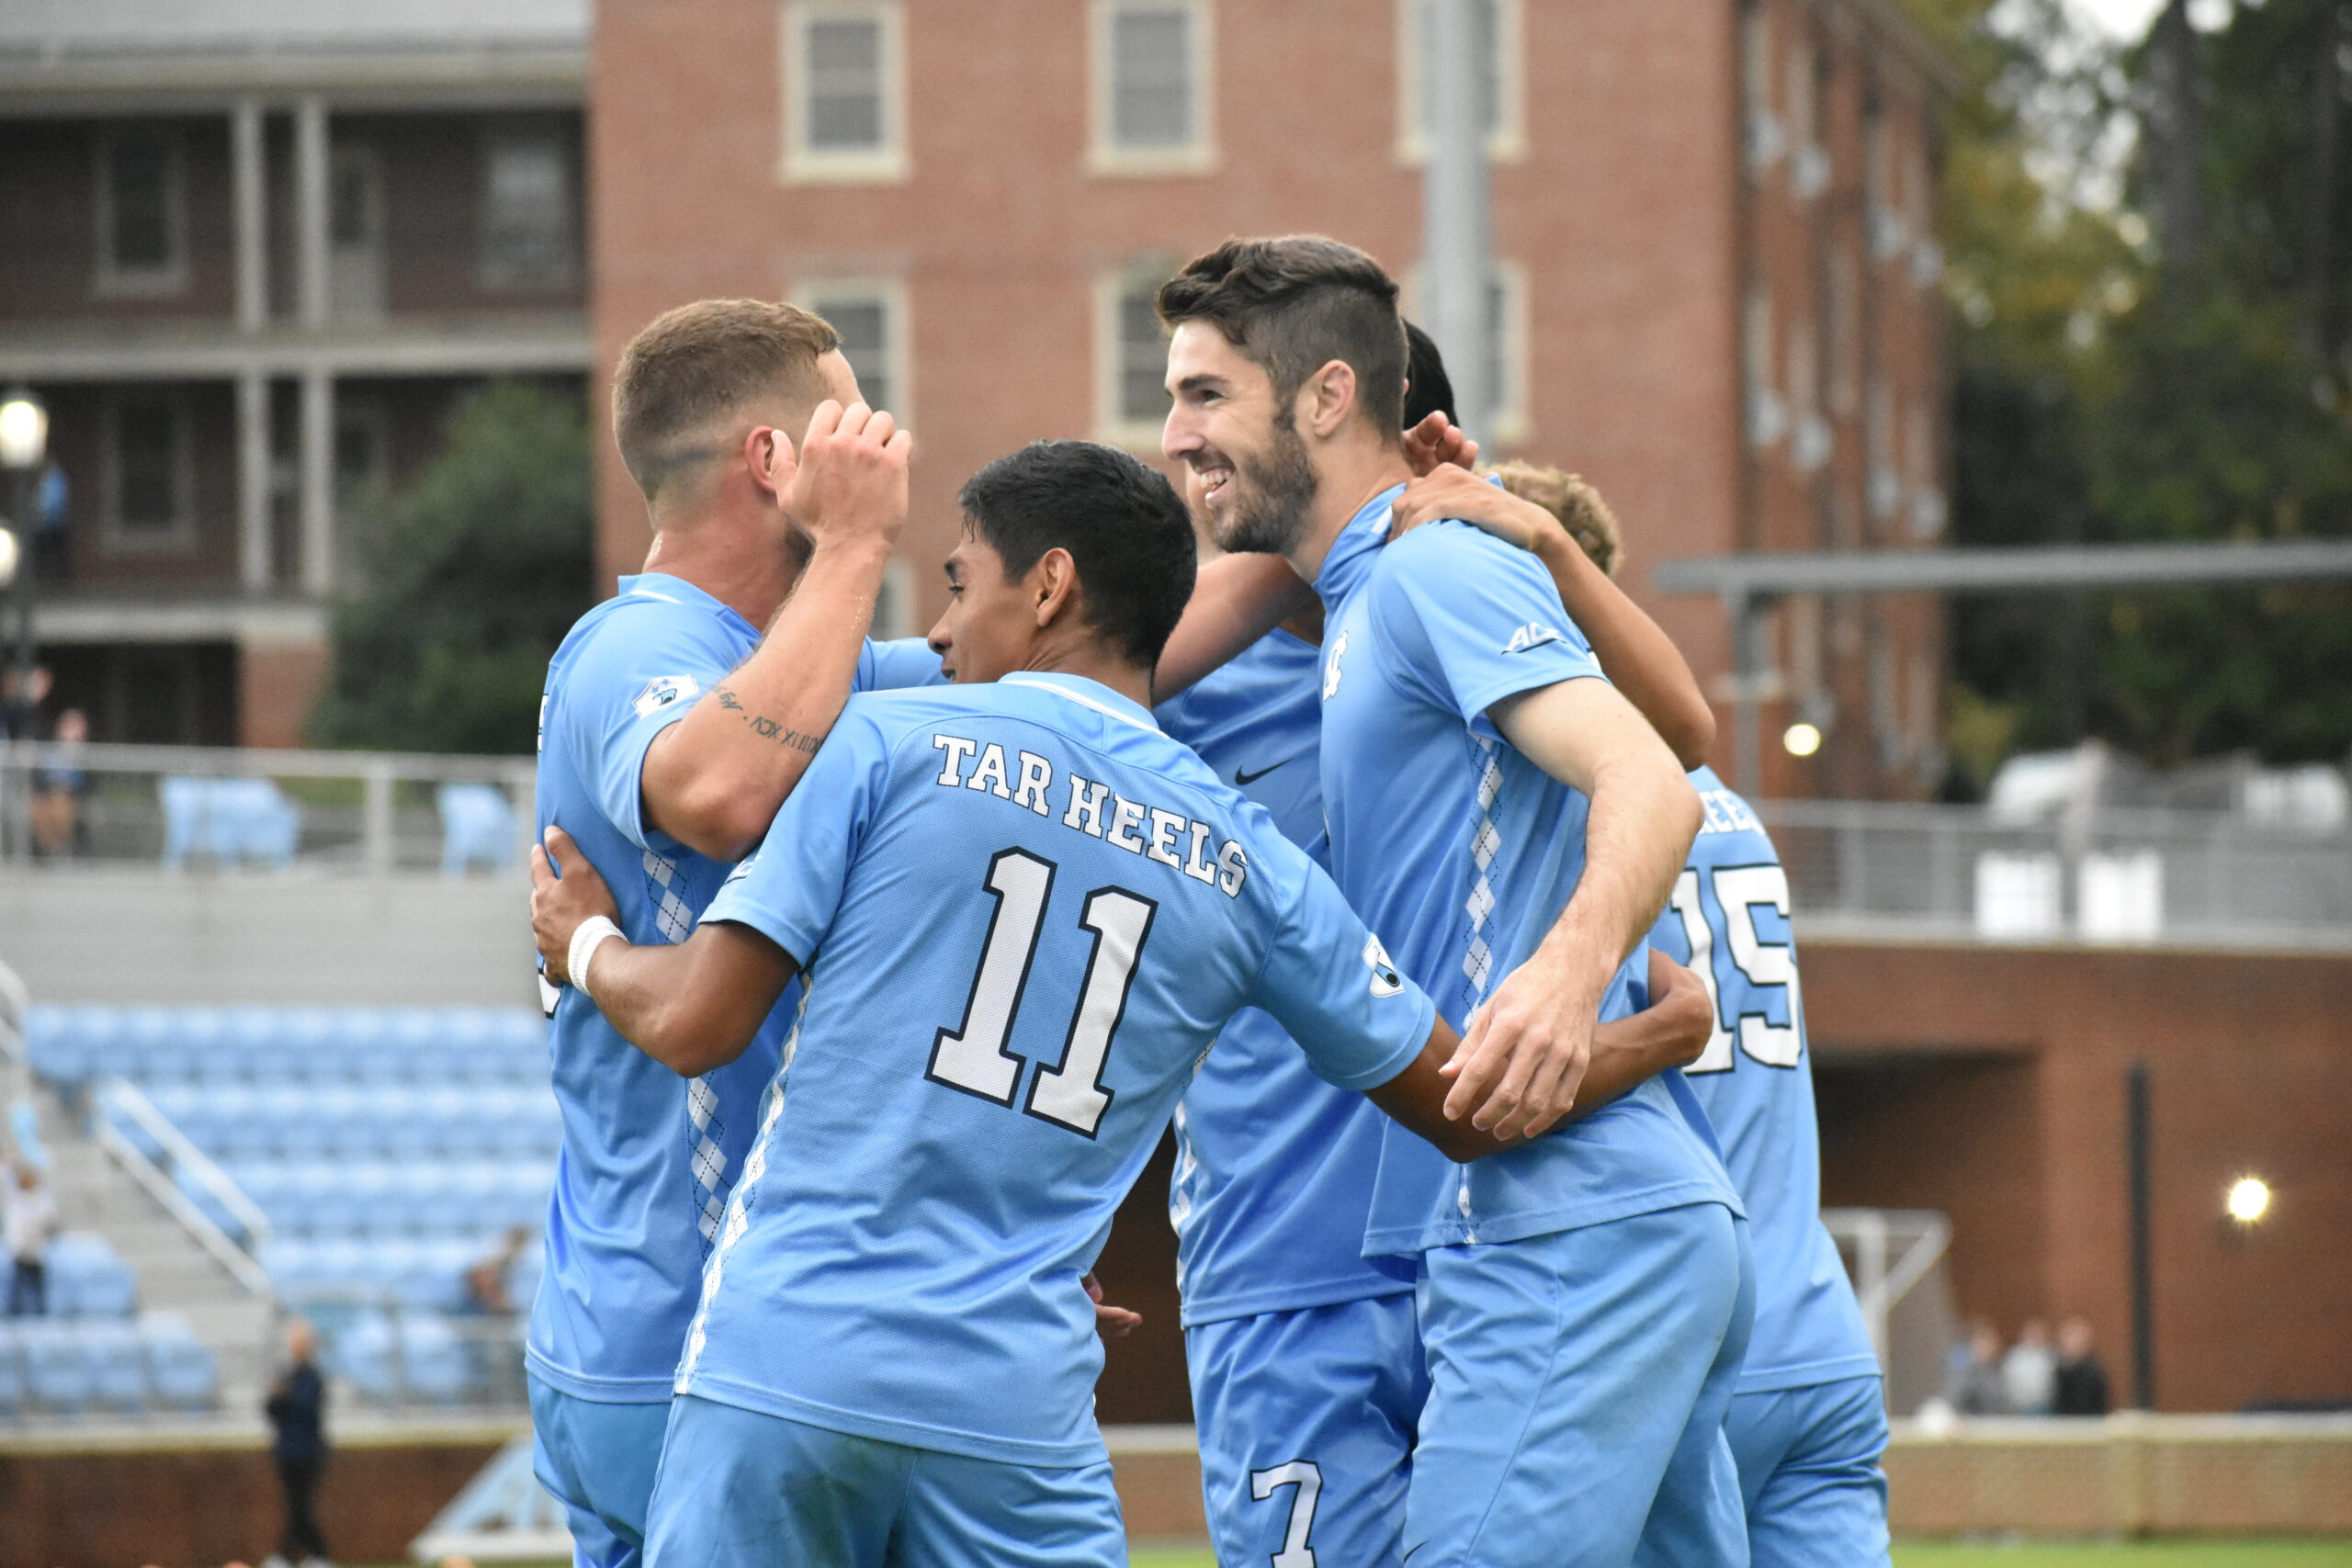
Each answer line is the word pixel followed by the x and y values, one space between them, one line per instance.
pixel 1331 667
pixel 665 690
pixel 1533 635
pixel 1386 981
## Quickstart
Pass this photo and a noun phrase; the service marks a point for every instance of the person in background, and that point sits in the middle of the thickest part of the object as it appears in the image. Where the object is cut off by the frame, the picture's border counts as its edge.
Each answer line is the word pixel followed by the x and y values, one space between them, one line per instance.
pixel 2030 1371
pixel 31 1225
pixel 59 783
pixel 2080 1384
pixel 486 1280
pixel 296 1410
pixel 1975 1386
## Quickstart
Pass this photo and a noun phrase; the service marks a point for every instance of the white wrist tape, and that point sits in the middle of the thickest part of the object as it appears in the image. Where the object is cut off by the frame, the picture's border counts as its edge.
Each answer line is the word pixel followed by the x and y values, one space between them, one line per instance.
pixel 585 942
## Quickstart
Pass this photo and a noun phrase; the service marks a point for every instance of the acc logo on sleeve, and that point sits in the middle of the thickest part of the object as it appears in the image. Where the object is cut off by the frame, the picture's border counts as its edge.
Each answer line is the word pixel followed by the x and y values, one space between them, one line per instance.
pixel 1386 981
pixel 1534 635
pixel 665 690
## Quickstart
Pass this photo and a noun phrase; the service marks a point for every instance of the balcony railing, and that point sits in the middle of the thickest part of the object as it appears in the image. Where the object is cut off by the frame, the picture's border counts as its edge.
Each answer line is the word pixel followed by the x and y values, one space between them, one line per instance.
pixel 1855 867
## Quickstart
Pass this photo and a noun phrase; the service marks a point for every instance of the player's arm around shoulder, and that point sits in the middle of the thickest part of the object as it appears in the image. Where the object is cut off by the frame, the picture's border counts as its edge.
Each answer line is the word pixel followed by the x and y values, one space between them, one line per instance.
pixel 691 1006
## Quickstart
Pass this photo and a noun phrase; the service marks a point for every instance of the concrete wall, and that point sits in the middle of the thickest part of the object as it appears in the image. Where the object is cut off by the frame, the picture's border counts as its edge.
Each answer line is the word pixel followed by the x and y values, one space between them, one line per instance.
pixel 146 936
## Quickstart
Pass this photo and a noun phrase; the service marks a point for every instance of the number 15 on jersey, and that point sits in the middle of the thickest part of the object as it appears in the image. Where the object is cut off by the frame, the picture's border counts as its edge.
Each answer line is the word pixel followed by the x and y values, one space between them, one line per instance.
pixel 1757 1003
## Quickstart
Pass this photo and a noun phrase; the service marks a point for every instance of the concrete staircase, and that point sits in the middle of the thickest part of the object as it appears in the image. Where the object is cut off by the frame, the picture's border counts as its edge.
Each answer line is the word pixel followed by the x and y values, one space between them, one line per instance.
pixel 175 1274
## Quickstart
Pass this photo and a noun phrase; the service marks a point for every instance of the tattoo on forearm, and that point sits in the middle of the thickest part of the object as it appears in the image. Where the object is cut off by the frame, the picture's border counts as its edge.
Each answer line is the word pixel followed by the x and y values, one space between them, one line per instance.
pixel 769 729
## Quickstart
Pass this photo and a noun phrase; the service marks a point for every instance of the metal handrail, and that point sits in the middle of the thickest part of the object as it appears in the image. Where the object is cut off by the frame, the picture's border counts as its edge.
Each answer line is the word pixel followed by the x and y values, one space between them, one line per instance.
pixel 1879 1285
pixel 234 761
pixel 225 1250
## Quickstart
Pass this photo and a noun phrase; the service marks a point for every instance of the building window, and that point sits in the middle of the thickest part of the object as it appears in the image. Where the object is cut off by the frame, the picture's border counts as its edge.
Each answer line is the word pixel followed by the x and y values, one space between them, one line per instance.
pixel 142 214
pixel 1507 329
pixel 870 314
pixel 1152 76
pixel 844 93
pixel 1131 355
pixel 530 212
pixel 1498 45
pixel 148 485
pixel 1768 416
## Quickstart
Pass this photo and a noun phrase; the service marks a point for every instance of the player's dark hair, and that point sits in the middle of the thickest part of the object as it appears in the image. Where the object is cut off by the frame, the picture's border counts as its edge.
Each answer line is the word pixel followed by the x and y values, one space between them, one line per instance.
pixel 1294 305
pixel 1121 523
pixel 698 364
pixel 1427 388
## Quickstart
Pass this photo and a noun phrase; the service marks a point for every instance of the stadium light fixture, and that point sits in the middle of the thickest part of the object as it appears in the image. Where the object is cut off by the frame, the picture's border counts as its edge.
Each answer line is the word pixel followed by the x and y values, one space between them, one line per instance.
pixel 2248 1200
pixel 1801 740
pixel 23 431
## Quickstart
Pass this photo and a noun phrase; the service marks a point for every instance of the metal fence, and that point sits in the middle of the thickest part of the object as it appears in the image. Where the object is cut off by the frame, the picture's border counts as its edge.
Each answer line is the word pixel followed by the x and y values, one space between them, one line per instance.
pixel 1897 869
pixel 311 812
pixel 2112 876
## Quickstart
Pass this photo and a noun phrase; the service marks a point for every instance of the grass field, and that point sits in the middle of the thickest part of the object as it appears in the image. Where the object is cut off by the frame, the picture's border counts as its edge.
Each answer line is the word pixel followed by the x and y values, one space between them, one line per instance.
pixel 2035 1554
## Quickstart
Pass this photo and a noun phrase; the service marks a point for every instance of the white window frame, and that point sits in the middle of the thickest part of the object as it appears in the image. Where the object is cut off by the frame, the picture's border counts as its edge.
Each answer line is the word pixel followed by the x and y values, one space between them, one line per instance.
pixel 804 164
pixel 172 277
pixel 1112 425
pixel 1507 142
pixel 898 327
pixel 181 533
pixel 493 276
pixel 1508 425
pixel 1104 155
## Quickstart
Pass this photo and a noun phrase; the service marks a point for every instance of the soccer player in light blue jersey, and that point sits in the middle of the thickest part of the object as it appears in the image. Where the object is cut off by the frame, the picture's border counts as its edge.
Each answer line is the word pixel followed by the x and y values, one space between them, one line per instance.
pixel 1021 913
pixel 669 734
pixel 1509 826
pixel 1808 1421
pixel 1304 1360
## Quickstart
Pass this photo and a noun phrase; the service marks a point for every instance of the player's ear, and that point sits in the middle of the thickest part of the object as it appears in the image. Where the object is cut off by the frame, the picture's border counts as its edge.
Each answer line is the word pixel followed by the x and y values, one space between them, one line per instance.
pixel 767 453
pixel 1328 397
pixel 1054 580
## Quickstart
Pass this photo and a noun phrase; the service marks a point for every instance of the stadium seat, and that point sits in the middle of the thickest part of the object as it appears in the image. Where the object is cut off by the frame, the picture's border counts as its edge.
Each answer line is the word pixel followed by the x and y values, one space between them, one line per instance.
pixel 362 1355
pixel 477 829
pixel 87 1280
pixel 435 1362
pixel 182 1373
pixel 117 1365
pixel 12 1370
pixel 257 1037
pixel 229 820
pixel 59 1376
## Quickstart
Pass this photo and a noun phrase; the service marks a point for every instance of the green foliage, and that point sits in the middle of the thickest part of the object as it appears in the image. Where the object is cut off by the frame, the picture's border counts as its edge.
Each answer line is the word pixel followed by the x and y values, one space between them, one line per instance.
pixel 484 564
pixel 2106 393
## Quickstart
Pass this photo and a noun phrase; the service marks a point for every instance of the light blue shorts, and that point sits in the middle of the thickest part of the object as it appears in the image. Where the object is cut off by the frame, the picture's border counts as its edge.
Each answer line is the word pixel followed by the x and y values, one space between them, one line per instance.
pixel 1306 1422
pixel 1578 1383
pixel 1809 1472
pixel 597 1459
pixel 739 1489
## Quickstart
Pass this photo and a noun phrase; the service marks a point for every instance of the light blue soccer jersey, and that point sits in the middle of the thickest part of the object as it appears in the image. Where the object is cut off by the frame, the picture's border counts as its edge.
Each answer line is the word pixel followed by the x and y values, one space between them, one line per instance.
pixel 1273 1166
pixel 647 1157
pixel 1460 853
pixel 1729 920
pixel 1026 913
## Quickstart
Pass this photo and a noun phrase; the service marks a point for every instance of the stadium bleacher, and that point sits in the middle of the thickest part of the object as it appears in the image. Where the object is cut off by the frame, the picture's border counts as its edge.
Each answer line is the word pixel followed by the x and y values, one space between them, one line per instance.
pixel 387 1148
pixel 93 1351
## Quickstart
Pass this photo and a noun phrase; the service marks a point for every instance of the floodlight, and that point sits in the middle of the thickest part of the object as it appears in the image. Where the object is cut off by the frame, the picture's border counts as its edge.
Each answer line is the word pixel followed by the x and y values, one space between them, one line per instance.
pixel 2249 1199
pixel 23 431
pixel 1801 740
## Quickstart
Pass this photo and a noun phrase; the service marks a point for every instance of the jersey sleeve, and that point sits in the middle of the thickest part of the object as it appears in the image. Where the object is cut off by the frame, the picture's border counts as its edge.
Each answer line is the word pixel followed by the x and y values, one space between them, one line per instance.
pixel 789 887
pixel 1327 981
pixel 644 673
pixel 896 664
pixel 1469 620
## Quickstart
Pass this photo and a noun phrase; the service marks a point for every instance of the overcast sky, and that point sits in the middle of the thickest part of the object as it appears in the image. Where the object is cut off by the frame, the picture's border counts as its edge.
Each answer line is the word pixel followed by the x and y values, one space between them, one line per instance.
pixel 2127 19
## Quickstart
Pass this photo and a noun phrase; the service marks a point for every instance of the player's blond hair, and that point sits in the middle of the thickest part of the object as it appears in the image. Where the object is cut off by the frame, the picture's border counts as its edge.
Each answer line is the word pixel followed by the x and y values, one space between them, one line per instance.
pixel 1576 503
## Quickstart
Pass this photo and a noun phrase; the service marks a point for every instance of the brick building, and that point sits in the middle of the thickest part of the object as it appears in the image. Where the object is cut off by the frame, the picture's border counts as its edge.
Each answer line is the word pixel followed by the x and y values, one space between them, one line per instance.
pixel 250 255
pixel 1716 290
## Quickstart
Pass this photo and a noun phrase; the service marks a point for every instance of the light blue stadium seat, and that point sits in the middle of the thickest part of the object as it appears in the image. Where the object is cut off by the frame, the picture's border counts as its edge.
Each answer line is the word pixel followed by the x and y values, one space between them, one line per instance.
pixel 439 1364
pixel 229 820
pixel 87 1280
pixel 311 1046
pixel 362 1354
pixel 182 1373
pixel 147 1041
pixel 257 1036
pixel 477 829
pixel 322 1121
pixel 292 1263
pixel 24 1131
pixel 378 1197
pixel 12 1369
pixel 59 1376
pixel 187 818
pixel 117 1365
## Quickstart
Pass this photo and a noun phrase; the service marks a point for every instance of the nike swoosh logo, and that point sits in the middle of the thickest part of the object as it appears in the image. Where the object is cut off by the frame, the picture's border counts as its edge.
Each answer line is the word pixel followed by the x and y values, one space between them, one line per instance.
pixel 1245 779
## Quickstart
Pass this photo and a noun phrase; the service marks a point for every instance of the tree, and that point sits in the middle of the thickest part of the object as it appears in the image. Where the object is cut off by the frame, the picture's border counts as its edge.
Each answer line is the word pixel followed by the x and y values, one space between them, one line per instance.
pixel 485 562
